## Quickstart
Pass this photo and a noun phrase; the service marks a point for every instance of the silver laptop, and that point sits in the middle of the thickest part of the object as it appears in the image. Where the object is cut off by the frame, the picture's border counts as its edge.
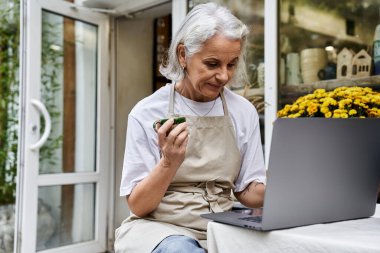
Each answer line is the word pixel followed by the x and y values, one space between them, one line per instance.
pixel 320 170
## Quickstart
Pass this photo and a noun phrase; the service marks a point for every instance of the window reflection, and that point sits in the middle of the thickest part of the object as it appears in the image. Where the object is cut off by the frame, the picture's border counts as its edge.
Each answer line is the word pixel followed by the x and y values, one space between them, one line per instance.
pixel 66 215
pixel 333 41
pixel 252 14
pixel 68 90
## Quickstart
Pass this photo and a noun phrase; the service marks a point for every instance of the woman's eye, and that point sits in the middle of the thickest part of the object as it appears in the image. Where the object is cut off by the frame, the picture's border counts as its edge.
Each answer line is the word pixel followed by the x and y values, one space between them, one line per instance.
pixel 211 64
pixel 231 65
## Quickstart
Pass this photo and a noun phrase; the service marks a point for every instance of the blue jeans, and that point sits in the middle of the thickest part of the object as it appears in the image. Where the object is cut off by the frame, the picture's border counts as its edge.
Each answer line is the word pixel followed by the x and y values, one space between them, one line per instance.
pixel 178 244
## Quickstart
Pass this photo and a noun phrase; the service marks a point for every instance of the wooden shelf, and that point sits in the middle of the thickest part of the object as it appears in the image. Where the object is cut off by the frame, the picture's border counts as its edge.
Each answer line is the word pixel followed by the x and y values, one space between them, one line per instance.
pixel 371 81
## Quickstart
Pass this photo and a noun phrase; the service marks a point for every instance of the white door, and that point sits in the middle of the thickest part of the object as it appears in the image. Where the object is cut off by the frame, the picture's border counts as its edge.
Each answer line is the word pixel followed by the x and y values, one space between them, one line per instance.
pixel 65 134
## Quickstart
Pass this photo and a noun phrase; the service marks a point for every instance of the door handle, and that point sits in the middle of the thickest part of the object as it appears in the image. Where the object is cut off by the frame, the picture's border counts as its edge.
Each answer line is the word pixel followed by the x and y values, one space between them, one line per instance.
pixel 42 109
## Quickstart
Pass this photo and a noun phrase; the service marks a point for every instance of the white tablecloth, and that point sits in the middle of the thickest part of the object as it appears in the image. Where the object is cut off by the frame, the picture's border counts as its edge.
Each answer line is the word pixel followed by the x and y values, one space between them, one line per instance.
pixel 361 236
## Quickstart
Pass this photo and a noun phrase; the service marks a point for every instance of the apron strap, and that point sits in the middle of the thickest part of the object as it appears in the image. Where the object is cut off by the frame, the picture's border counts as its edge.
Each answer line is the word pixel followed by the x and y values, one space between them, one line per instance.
pixel 171 101
pixel 225 109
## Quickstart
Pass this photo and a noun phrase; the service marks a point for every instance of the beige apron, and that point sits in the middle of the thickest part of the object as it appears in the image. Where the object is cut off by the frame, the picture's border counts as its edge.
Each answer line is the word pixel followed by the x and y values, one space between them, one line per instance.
pixel 202 184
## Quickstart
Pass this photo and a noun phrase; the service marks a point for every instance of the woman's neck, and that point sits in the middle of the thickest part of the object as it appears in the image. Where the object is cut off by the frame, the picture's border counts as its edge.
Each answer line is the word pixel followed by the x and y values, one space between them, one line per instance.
pixel 187 90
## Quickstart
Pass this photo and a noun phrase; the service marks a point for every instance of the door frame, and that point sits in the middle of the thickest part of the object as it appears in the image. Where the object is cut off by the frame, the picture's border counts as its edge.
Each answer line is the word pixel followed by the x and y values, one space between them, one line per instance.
pixel 29 179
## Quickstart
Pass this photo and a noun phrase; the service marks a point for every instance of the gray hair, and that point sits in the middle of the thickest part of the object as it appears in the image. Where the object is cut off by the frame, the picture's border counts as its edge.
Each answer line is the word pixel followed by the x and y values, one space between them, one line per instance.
pixel 200 24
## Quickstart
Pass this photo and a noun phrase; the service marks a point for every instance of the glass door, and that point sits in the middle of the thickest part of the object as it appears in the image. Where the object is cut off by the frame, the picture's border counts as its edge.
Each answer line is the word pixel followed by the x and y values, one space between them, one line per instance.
pixel 66 135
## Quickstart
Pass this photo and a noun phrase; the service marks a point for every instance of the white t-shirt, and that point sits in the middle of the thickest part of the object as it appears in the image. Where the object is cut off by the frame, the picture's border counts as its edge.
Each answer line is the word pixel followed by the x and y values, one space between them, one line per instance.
pixel 142 151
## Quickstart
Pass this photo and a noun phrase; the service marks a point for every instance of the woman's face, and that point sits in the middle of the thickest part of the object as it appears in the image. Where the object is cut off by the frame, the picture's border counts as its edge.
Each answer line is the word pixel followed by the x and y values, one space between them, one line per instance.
pixel 210 69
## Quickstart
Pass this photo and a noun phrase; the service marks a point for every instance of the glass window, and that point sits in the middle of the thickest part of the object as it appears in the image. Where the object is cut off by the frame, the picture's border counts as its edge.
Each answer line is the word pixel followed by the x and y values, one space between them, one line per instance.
pixel 68 76
pixel 66 215
pixel 252 14
pixel 326 44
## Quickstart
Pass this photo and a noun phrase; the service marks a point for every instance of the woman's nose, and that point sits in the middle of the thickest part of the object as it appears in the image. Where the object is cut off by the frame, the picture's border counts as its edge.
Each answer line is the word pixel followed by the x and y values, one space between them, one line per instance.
pixel 222 74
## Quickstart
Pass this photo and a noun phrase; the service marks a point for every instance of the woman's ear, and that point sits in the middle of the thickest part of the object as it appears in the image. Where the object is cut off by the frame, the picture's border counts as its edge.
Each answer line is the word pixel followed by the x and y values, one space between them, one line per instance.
pixel 181 54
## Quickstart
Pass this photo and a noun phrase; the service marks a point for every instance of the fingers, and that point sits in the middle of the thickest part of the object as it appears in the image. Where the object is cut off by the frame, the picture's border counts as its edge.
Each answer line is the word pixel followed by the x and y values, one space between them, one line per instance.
pixel 172 141
pixel 177 135
pixel 180 138
pixel 163 130
pixel 177 130
pixel 172 134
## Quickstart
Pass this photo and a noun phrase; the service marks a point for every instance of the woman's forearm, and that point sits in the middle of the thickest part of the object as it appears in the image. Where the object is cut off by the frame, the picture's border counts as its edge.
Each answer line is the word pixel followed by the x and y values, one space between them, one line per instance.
pixel 148 193
pixel 253 195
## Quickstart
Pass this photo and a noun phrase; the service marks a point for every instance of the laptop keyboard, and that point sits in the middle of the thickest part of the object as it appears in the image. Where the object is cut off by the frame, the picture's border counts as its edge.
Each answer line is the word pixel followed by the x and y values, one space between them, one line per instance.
pixel 252 218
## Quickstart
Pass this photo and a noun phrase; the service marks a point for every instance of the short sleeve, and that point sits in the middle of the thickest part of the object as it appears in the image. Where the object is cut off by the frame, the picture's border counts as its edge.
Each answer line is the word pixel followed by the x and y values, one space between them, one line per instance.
pixel 252 166
pixel 141 155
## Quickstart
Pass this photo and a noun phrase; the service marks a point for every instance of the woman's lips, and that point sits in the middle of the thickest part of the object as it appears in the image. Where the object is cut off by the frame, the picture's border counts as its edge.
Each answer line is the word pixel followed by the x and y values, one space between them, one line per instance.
pixel 215 86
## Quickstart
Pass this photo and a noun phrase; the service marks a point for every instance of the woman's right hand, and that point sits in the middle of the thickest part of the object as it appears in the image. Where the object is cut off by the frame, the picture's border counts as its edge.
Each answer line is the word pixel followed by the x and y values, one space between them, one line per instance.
pixel 172 141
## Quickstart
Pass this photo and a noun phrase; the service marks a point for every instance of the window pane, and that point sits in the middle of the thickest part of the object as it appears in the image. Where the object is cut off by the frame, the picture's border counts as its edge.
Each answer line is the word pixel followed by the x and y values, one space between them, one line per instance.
pixel 252 14
pixel 65 215
pixel 69 60
pixel 318 42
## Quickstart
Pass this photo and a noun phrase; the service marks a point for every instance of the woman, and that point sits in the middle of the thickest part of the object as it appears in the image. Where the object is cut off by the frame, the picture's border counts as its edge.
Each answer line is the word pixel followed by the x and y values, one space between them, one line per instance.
pixel 172 174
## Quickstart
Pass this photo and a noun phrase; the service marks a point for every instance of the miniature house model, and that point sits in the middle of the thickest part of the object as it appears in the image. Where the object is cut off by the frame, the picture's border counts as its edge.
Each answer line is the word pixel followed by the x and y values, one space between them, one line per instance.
pixel 351 65
pixel 344 64
pixel 361 64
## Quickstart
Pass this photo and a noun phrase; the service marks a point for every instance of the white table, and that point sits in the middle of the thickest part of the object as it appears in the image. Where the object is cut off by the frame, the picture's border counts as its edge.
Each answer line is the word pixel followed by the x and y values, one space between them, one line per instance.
pixel 359 236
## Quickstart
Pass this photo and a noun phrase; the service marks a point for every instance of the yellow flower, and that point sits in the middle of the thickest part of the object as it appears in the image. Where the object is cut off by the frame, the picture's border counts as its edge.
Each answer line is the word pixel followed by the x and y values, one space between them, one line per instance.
pixel 312 109
pixel 344 102
pixel 294 108
pixel 352 112
pixel 365 99
pixel 297 115
pixel 374 112
pixel 340 111
pixel 324 109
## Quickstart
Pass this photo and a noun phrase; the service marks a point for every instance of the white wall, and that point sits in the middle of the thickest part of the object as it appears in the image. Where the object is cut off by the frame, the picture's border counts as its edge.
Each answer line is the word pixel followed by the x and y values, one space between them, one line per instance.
pixel 134 60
